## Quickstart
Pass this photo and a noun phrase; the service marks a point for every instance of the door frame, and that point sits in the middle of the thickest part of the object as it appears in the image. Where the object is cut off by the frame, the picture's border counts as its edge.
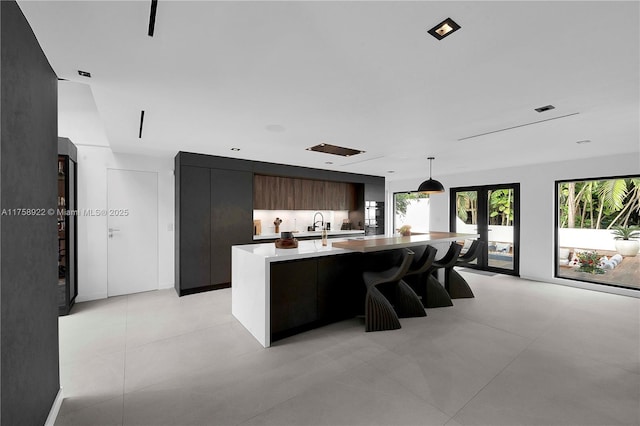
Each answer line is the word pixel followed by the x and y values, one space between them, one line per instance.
pixel 483 224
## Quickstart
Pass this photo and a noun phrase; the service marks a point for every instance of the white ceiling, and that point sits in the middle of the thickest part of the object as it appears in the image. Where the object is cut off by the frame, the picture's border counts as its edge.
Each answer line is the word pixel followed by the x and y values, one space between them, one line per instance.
pixel 273 78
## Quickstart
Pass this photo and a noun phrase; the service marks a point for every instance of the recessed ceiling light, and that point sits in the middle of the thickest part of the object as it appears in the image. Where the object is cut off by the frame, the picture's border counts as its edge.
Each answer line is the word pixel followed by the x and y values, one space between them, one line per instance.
pixel 84 73
pixel 545 108
pixel 235 149
pixel 444 28
pixel 583 141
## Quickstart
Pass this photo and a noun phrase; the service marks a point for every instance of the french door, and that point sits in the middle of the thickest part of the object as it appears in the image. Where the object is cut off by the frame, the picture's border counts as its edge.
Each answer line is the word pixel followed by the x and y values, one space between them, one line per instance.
pixel 493 212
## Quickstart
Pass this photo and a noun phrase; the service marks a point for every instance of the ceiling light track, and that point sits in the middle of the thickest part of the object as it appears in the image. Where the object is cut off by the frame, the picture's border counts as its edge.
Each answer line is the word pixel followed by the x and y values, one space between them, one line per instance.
pixel 152 17
pixel 515 127
pixel 141 124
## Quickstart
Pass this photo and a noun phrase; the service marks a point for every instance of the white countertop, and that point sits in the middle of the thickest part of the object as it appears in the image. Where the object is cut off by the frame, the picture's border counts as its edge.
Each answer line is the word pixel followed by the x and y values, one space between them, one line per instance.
pixel 309 234
pixel 305 249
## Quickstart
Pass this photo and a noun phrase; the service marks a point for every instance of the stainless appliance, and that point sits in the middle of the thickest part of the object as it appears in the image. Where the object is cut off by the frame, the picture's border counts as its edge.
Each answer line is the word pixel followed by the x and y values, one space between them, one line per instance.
pixel 373 218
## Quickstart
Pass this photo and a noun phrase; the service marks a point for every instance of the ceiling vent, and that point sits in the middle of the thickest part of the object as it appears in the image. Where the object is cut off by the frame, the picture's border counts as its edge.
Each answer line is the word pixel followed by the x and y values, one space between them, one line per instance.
pixel 545 108
pixel 335 150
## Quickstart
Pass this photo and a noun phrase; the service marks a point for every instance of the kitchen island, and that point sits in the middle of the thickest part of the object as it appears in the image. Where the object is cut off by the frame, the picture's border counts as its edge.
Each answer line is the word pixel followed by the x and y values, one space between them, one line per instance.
pixel 279 292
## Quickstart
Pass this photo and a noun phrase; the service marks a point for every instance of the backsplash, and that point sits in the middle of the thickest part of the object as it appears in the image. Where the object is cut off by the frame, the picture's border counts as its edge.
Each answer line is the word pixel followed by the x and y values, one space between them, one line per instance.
pixel 298 220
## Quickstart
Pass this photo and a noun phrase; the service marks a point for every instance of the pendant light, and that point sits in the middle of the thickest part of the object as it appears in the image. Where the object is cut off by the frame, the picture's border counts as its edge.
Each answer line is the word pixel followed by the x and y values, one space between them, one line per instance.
pixel 430 186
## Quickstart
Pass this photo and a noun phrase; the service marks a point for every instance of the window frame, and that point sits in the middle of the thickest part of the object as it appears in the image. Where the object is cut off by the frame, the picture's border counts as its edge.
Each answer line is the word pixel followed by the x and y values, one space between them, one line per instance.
pixel 556 228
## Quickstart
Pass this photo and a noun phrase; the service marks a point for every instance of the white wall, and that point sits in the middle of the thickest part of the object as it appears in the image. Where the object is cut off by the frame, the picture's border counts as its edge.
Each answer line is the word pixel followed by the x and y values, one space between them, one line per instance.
pixel 537 204
pixel 93 163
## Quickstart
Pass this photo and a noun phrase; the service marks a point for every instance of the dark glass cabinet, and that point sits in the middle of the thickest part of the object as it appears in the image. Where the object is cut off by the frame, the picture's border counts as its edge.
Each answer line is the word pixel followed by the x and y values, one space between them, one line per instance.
pixel 67 226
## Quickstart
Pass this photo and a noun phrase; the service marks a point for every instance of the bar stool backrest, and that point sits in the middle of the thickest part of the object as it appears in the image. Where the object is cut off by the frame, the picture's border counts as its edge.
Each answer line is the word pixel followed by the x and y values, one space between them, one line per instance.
pixel 471 254
pixel 395 273
pixel 451 257
pixel 424 262
pixel 404 266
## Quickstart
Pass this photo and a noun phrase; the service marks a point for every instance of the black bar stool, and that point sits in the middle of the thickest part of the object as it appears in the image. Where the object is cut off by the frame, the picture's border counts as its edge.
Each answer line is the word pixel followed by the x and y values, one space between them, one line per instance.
pixel 416 274
pixel 379 314
pixel 437 296
pixel 457 287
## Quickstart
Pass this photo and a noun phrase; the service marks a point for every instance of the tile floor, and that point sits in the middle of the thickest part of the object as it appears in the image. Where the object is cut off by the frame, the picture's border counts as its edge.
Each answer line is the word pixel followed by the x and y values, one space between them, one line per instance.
pixel 520 353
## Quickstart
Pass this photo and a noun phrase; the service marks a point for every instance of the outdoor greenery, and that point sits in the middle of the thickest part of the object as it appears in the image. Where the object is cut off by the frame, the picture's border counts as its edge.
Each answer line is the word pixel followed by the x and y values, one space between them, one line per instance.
pixel 402 200
pixel 589 262
pixel 626 233
pixel 467 206
pixel 500 207
pixel 600 204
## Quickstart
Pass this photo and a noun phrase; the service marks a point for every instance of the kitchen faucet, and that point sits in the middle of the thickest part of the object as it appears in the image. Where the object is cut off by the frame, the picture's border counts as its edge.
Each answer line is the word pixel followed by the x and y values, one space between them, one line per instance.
pixel 316 222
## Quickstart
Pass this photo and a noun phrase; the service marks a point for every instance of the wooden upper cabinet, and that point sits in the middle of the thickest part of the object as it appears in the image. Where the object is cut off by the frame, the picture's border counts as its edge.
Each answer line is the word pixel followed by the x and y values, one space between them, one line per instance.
pixel 273 193
pixel 352 196
pixel 261 194
pixel 283 193
pixel 335 195
pixel 303 194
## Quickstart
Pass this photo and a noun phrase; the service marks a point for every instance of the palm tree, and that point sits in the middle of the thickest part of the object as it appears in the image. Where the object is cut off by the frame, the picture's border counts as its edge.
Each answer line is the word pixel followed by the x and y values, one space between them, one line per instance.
pixel 631 204
pixel 616 201
pixel 611 195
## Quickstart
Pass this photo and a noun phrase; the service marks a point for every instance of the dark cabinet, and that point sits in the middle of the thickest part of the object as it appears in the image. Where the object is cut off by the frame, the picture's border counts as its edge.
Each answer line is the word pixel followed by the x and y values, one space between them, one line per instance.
pixel 374 191
pixel 67 226
pixel 215 199
pixel 195 228
pixel 231 219
pixel 307 293
pixel 293 294
pixel 214 211
pixel 340 287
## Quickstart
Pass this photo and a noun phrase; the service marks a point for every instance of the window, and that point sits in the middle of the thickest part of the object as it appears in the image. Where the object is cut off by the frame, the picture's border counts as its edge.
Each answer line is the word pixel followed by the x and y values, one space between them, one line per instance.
pixel 411 208
pixel 590 215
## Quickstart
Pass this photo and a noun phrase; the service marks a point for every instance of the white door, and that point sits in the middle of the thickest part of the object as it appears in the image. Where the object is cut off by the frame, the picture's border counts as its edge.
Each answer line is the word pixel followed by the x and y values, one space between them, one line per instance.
pixel 132 226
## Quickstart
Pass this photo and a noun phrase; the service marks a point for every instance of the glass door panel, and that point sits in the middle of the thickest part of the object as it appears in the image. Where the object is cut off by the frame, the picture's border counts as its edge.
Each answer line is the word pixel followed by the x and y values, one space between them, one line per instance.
pixel 491 212
pixel 500 214
pixel 466 219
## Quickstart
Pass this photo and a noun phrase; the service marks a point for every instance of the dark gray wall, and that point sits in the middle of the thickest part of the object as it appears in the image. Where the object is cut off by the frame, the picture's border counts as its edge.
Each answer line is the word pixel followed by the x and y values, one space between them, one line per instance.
pixel 28 244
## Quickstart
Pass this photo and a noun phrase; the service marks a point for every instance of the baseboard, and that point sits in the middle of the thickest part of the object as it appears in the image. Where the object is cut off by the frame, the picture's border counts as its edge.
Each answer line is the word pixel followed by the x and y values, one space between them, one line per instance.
pixel 186 292
pixel 55 409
